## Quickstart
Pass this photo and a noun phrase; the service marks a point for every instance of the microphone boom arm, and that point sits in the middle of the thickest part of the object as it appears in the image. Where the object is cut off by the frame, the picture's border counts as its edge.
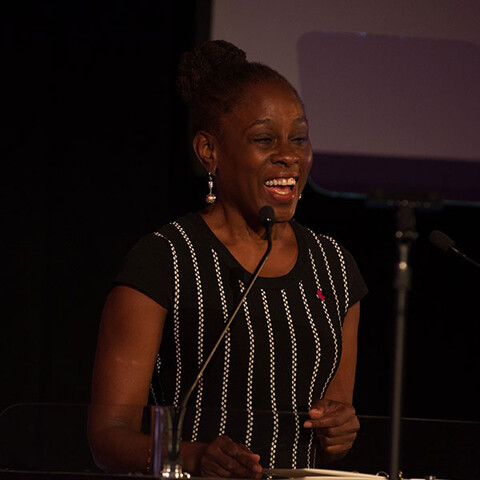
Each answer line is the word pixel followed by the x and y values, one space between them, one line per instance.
pixel 173 465
pixel 255 274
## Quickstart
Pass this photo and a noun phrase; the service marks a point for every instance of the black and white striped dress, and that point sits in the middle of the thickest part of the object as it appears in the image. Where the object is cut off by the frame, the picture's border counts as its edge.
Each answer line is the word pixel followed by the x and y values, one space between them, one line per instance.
pixel 280 353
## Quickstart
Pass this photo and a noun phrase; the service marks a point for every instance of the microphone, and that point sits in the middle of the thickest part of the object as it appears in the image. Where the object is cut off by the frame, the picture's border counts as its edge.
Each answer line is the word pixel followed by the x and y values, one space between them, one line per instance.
pixel 445 243
pixel 267 217
pixel 173 464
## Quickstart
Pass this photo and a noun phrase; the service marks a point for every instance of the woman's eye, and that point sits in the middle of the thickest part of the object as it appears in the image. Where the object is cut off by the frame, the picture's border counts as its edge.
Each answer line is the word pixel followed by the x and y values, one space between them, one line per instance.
pixel 263 140
pixel 300 140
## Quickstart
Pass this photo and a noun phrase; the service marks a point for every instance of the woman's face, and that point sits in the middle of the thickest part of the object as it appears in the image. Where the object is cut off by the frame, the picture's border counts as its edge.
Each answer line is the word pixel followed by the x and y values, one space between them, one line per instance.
pixel 264 153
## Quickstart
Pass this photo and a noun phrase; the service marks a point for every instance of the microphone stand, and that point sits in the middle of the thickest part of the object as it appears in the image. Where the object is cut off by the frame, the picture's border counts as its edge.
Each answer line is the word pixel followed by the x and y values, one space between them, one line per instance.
pixel 172 466
pixel 405 235
pixel 405 203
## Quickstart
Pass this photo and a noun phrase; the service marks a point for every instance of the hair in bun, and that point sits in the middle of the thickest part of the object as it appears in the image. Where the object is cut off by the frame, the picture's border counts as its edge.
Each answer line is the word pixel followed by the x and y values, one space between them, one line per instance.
pixel 199 65
pixel 212 78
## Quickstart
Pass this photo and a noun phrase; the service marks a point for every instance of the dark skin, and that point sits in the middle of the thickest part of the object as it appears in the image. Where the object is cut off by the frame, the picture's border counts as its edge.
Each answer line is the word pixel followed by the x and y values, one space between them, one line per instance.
pixel 261 143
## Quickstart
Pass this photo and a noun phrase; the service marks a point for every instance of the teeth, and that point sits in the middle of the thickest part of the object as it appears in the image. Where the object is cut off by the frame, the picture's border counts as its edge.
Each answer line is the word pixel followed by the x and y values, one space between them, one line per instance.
pixel 281 182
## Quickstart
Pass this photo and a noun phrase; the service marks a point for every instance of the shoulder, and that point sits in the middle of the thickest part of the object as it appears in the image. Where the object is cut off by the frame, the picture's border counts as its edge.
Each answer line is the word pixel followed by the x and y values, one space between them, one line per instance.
pixel 186 228
pixel 152 263
pixel 153 251
pixel 325 251
pixel 318 241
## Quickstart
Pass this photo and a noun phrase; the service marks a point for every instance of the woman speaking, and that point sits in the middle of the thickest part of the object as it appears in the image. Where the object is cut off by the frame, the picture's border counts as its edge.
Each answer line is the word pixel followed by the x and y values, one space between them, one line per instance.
pixel 292 346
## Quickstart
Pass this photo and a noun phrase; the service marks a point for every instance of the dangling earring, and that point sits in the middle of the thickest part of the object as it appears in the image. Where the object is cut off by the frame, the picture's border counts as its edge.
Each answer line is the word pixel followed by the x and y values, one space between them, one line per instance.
pixel 210 198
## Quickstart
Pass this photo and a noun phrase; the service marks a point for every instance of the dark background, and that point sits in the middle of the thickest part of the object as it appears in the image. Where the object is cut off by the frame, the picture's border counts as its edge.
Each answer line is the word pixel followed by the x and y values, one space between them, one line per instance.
pixel 96 152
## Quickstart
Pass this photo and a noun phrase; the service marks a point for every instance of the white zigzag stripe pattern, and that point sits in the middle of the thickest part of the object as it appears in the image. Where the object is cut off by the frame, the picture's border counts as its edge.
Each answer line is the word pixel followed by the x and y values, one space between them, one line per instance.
pixel 251 359
pixel 294 377
pixel 273 398
pixel 158 367
pixel 343 268
pixel 329 273
pixel 158 363
pixel 226 363
pixel 316 365
pixel 335 341
pixel 176 323
pixel 327 315
pixel 198 402
pixel 346 291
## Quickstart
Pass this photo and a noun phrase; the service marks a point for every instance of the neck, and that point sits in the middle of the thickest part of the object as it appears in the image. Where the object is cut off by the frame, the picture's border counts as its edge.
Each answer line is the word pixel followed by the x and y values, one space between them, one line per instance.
pixel 247 242
pixel 232 227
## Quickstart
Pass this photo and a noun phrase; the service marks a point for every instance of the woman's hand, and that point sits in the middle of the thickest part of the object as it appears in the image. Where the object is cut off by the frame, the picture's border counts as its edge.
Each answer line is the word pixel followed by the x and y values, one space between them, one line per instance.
pixel 225 458
pixel 336 426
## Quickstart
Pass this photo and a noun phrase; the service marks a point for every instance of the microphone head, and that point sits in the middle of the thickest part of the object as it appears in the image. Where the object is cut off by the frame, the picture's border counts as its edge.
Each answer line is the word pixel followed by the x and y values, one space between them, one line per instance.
pixel 267 216
pixel 441 240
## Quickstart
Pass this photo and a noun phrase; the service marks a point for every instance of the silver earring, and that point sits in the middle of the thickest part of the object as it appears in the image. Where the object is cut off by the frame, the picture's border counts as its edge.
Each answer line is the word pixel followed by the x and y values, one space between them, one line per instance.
pixel 210 198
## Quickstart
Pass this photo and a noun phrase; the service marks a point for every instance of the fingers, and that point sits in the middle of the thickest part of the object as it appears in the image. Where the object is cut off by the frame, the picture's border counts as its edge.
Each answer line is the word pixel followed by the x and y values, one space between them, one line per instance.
pixel 336 426
pixel 331 420
pixel 336 447
pixel 225 458
pixel 329 413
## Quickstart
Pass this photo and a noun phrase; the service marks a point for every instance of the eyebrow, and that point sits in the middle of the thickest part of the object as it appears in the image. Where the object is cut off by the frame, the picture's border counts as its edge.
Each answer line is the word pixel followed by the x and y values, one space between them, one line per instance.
pixel 268 121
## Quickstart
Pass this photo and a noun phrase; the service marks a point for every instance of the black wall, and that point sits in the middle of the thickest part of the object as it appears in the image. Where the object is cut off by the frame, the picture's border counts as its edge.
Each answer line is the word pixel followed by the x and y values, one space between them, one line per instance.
pixel 96 153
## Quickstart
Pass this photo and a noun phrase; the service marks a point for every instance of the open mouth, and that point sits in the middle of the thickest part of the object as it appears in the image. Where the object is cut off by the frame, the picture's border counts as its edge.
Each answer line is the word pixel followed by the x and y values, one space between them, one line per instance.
pixel 281 183
pixel 281 188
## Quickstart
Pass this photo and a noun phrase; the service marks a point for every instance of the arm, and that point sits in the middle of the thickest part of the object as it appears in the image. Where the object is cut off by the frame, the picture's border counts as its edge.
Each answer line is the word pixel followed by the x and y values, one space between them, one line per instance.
pixel 129 338
pixel 333 417
pixel 128 342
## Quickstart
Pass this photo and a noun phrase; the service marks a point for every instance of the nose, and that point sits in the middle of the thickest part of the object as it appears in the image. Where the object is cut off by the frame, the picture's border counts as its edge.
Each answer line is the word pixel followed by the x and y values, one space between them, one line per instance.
pixel 285 155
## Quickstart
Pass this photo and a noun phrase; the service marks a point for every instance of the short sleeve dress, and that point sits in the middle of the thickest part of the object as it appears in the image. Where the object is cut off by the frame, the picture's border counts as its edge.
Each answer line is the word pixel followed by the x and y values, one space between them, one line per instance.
pixel 281 351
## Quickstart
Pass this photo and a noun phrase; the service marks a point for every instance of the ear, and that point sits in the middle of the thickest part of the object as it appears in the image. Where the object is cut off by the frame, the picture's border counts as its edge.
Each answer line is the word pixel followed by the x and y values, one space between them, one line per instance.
pixel 205 147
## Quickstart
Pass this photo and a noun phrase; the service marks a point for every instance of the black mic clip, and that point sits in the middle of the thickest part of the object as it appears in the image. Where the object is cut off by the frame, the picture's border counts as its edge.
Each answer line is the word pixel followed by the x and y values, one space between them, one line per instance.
pixel 267 218
pixel 445 243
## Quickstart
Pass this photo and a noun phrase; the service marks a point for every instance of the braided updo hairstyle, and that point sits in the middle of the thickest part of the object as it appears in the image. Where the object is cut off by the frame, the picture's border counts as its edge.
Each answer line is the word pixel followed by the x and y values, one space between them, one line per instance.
pixel 212 79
